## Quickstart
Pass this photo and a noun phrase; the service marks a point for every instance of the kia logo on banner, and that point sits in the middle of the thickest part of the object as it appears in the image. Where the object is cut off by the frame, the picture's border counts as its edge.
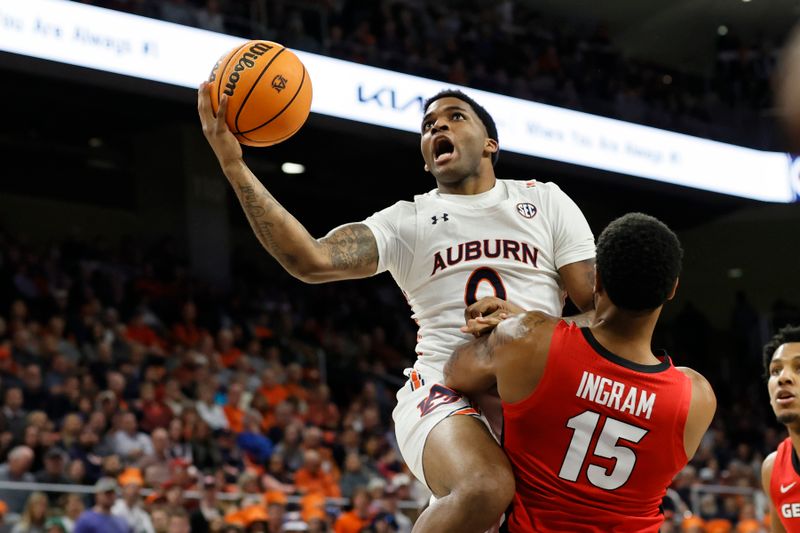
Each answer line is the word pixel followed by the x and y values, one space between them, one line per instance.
pixel 388 98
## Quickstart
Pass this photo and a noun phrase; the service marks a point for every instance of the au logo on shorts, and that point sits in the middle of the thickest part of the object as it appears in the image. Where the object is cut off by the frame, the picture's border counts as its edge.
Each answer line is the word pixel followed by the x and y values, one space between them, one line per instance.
pixel 527 210
pixel 279 83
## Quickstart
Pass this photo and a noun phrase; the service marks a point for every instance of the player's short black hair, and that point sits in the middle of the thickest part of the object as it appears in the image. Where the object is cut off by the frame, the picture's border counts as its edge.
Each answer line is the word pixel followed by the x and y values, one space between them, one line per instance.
pixel 784 335
pixel 486 118
pixel 638 261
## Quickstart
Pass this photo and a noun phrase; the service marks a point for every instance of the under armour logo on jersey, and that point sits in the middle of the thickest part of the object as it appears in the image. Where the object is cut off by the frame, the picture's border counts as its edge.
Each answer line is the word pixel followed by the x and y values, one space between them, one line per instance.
pixel 527 209
pixel 443 218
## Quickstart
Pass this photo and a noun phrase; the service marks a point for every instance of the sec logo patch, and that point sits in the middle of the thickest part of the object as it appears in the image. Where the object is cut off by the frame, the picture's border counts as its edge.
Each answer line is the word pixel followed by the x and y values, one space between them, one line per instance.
pixel 526 209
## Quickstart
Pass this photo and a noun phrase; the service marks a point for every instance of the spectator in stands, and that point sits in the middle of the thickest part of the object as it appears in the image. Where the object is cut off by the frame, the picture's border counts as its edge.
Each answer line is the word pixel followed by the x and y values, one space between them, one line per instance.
pixel 209 508
pixel 210 411
pixel 357 518
pixel 70 432
pixel 206 454
pixel 277 478
pixel 129 506
pixel 17 468
pixel 155 413
pixel 178 439
pixel 271 388
pixel 160 519
pixel 186 332
pixel 33 516
pixel 276 510
pixel 290 447
pixel 99 519
pixel 13 414
pixel 53 472
pixel 310 478
pixel 55 524
pixel 354 475
pixel 233 408
pixel 73 508
pixel 130 443
pixel 251 440
pixel 395 491
pixel 178 522
pixel 174 398
pixel 227 349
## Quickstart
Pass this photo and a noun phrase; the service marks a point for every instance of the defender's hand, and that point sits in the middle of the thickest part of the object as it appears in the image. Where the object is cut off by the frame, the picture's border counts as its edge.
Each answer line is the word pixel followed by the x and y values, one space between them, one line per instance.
pixel 484 324
pixel 222 141
pixel 488 305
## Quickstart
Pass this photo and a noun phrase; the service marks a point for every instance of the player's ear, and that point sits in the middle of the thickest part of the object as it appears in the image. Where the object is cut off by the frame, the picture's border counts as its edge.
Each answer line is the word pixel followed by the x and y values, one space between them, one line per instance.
pixel 674 289
pixel 598 283
pixel 426 168
pixel 491 146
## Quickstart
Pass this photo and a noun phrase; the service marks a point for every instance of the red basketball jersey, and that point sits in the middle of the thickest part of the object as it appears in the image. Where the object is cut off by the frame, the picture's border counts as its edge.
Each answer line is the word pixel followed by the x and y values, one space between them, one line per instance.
pixel 784 486
pixel 595 446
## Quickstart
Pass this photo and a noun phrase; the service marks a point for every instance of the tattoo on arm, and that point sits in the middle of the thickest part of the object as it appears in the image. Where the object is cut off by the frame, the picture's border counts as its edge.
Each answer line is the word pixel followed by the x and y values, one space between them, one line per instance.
pixel 352 246
pixel 257 211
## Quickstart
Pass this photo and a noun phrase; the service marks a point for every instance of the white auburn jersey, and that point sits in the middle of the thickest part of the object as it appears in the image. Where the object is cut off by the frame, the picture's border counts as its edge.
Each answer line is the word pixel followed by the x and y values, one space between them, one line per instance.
pixel 445 251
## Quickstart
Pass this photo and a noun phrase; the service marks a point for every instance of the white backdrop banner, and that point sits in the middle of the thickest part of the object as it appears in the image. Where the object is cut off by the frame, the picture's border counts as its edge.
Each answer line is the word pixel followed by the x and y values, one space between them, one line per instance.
pixel 97 38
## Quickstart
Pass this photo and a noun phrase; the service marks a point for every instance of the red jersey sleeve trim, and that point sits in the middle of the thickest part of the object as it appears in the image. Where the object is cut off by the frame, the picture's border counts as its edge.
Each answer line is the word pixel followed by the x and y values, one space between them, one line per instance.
pixel 559 336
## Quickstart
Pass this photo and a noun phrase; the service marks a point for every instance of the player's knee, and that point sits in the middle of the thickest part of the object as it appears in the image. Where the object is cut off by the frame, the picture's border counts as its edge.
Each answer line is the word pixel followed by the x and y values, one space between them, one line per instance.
pixel 491 490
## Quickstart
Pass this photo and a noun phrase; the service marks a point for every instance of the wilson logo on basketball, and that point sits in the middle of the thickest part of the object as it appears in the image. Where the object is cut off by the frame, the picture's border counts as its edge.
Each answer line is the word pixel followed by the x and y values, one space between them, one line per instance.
pixel 248 60
pixel 527 210
pixel 279 83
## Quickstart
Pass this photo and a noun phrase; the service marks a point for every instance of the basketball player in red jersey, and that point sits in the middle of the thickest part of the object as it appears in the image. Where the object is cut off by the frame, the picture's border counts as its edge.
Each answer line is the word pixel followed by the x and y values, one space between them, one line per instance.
pixel 780 473
pixel 472 235
pixel 596 425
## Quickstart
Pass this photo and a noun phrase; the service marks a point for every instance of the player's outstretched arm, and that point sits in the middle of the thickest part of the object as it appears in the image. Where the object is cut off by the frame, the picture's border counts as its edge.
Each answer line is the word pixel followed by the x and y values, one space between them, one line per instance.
pixel 347 252
pixel 766 478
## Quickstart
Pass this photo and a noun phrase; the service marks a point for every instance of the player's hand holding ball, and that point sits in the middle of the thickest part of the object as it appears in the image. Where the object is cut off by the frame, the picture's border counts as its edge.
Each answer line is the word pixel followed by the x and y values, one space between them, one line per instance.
pixel 258 94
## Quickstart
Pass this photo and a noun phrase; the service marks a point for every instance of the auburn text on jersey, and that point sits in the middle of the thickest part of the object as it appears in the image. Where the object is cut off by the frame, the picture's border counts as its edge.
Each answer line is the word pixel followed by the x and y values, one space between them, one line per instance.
pixel 469 251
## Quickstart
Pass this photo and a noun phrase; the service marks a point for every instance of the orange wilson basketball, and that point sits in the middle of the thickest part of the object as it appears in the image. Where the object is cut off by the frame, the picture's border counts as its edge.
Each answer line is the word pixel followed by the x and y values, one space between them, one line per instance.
pixel 269 92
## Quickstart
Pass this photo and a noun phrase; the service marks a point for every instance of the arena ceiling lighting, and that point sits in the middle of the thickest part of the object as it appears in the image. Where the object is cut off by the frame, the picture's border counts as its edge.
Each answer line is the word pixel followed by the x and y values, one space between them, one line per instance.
pixel 97 38
pixel 292 168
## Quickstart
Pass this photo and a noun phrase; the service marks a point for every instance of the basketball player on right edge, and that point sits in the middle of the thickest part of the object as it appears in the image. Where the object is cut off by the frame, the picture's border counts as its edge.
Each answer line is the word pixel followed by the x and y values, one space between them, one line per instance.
pixel 473 235
pixel 780 473
pixel 596 424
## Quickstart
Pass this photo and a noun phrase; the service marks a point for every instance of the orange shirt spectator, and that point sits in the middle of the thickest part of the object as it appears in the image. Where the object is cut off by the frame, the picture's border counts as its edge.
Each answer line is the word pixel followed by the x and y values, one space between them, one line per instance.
pixel 228 351
pixel 271 389
pixel 233 412
pixel 357 519
pixel 138 331
pixel 188 335
pixel 312 479
pixel 294 379
pixel 230 357
pixel 186 331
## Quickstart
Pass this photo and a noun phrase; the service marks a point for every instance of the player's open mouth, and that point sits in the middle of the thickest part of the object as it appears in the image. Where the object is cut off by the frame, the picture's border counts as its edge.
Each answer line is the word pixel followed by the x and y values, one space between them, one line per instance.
pixel 784 397
pixel 443 150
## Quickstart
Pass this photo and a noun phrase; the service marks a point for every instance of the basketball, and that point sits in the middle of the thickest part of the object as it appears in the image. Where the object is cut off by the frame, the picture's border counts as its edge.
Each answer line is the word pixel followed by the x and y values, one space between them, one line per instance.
pixel 269 92
pixel 788 97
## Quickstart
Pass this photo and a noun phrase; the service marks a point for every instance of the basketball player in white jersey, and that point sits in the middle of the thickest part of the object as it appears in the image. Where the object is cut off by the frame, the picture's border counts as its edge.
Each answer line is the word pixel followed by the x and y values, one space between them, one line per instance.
pixel 472 236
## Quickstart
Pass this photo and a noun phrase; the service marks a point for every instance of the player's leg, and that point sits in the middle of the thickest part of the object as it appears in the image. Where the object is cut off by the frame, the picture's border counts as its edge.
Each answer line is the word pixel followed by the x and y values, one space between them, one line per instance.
pixel 468 473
